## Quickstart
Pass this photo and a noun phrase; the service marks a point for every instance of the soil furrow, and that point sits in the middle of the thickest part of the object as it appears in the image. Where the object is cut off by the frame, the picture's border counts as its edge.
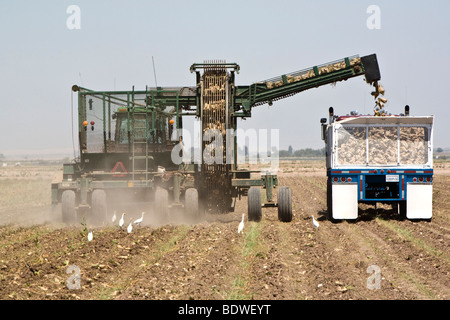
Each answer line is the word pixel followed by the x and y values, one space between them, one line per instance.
pixel 198 267
pixel 210 260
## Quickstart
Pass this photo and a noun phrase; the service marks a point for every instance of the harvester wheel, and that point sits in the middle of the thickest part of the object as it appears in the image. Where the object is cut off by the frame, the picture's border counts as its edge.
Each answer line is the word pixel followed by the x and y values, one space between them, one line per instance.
pixel 99 208
pixel 68 206
pixel 191 203
pixel 162 204
pixel 254 204
pixel 284 204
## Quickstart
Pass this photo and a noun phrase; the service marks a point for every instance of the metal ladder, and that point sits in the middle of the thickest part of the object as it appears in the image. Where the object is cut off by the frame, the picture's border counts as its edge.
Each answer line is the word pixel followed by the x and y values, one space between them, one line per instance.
pixel 139 144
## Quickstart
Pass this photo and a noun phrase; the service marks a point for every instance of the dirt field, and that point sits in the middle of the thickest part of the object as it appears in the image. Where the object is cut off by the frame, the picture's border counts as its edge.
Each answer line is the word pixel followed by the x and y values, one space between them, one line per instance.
pixel 209 260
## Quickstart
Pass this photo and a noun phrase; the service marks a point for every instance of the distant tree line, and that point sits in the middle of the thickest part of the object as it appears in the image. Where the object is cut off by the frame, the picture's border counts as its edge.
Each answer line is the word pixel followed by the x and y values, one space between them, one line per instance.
pixel 308 152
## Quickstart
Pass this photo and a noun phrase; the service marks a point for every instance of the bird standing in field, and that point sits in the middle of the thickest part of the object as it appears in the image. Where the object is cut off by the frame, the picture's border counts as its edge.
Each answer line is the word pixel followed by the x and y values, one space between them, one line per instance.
pixel 138 221
pixel 114 217
pixel 121 221
pixel 241 224
pixel 130 226
pixel 90 236
pixel 315 223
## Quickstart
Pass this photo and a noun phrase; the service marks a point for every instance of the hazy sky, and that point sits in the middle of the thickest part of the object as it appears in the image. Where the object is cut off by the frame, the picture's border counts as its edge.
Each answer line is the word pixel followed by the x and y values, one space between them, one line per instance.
pixel 41 58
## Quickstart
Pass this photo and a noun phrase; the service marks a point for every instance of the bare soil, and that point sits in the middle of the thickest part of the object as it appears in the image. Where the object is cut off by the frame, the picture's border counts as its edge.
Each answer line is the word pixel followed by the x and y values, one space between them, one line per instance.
pixel 210 260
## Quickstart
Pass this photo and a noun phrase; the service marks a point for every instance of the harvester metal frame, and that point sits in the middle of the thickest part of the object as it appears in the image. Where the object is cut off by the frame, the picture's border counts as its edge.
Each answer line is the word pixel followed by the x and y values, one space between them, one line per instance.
pixel 102 174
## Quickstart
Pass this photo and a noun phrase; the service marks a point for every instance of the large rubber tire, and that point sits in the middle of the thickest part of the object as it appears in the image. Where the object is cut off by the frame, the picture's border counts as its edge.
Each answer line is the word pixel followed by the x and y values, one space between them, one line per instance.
pixel 191 209
pixel 329 201
pixel 162 205
pixel 284 204
pixel 68 206
pixel 402 209
pixel 98 208
pixel 254 204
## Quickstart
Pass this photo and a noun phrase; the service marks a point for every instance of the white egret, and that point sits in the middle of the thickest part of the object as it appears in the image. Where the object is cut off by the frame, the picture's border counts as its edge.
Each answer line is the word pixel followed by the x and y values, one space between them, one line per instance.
pixel 315 223
pixel 241 224
pixel 138 221
pixel 121 221
pixel 90 235
pixel 130 226
pixel 114 217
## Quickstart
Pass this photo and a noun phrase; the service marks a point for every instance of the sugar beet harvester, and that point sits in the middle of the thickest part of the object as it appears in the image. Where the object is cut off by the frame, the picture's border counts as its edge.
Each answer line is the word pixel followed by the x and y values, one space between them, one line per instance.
pixel 385 159
pixel 127 144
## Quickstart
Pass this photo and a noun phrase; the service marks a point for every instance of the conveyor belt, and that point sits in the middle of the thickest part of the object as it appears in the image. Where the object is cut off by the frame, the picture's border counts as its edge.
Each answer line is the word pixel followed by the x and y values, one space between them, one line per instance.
pixel 215 119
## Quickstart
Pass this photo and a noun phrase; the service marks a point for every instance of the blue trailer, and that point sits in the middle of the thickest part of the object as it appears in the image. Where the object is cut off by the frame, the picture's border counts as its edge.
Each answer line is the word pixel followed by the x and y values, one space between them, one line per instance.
pixel 379 159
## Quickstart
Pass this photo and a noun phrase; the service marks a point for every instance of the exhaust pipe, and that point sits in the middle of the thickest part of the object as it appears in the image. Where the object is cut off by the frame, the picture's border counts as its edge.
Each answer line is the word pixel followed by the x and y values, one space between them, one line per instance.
pixel 331 115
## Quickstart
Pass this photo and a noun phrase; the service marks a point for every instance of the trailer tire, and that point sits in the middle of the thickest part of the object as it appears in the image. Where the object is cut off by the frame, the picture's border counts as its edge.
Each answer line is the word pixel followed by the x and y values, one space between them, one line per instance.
pixel 191 204
pixel 68 206
pixel 330 202
pixel 98 207
pixel 284 204
pixel 254 204
pixel 162 205
pixel 402 209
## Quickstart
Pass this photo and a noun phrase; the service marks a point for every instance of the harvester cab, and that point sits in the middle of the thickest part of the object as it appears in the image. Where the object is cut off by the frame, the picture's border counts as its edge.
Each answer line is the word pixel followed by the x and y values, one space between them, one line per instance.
pixel 125 154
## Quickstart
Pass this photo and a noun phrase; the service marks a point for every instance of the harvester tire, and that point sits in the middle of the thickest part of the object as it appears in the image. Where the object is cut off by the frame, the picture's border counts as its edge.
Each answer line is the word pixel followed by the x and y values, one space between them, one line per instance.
pixel 191 204
pixel 68 206
pixel 284 204
pixel 254 204
pixel 162 204
pixel 99 207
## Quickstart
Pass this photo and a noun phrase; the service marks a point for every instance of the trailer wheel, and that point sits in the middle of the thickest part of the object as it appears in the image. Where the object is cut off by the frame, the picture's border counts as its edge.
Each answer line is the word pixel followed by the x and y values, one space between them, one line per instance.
pixel 330 202
pixel 99 207
pixel 402 209
pixel 284 204
pixel 191 203
pixel 254 204
pixel 162 204
pixel 68 206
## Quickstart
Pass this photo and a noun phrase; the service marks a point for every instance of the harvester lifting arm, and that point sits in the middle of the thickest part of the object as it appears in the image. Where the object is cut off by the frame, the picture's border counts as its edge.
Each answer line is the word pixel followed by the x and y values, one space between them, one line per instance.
pixel 287 85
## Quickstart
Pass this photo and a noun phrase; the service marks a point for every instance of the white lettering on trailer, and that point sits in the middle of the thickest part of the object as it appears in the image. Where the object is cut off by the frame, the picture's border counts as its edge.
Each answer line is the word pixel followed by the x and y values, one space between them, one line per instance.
pixel 392 178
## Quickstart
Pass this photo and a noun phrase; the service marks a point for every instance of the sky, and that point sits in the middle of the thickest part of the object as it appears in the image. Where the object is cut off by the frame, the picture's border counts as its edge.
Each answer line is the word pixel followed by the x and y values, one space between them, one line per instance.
pixel 41 58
